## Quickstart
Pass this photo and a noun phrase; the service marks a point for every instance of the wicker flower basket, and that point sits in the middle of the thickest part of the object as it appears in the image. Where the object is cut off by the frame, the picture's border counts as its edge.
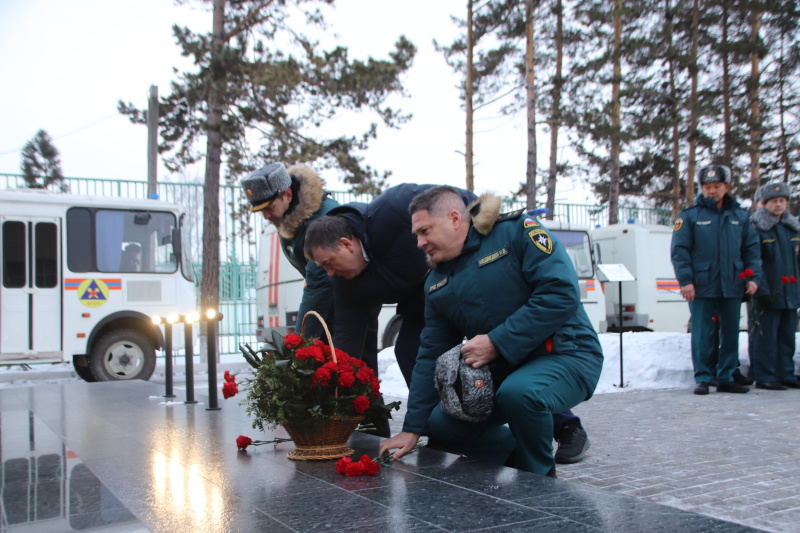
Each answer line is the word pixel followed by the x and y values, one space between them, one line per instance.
pixel 329 439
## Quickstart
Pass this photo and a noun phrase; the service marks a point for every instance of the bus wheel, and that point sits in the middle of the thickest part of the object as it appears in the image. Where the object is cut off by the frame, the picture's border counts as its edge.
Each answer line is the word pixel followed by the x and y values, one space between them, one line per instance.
pixel 123 354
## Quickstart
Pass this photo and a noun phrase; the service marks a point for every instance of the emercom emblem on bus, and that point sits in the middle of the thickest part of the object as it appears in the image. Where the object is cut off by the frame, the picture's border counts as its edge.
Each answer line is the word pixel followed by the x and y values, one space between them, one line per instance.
pixel 92 292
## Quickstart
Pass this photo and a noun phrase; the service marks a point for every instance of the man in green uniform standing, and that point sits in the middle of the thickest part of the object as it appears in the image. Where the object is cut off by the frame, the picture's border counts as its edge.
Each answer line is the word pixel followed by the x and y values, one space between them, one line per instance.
pixel 503 283
pixel 715 253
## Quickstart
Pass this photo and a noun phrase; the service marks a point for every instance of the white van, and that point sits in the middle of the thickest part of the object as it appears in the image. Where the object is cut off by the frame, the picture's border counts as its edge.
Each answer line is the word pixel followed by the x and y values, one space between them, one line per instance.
pixel 82 276
pixel 578 242
pixel 653 302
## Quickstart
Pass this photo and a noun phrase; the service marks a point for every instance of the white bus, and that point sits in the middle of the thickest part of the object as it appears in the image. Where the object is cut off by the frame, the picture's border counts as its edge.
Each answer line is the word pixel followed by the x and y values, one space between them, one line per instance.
pixel 81 277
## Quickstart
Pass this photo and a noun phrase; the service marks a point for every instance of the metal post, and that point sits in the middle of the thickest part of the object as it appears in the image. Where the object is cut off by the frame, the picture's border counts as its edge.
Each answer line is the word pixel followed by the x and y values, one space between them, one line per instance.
pixel 187 333
pixel 211 344
pixel 621 379
pixel 168 360
pixel 152 143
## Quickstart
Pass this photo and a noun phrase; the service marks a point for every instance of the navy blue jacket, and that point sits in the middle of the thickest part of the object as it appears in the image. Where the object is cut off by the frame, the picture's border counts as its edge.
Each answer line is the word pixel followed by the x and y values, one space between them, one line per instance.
pixel 780 241
pixel 396 270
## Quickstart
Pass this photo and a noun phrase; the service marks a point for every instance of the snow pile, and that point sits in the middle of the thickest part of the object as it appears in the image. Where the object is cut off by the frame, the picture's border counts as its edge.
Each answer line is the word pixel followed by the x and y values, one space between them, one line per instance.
pixel 650 361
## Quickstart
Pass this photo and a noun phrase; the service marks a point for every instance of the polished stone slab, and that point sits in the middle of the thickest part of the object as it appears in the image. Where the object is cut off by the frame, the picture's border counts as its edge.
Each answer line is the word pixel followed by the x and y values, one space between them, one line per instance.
pixel 117 457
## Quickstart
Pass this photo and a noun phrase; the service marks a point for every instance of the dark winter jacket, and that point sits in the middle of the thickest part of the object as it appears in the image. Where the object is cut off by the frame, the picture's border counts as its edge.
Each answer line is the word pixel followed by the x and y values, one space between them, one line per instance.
pixel 780 241
pixel 396 270
pixel 309 202
pixel 514 282
pixel 712 246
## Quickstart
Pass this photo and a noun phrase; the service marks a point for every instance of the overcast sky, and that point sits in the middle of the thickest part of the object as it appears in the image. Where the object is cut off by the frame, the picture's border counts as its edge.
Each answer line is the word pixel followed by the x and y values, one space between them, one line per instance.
pixel 66 64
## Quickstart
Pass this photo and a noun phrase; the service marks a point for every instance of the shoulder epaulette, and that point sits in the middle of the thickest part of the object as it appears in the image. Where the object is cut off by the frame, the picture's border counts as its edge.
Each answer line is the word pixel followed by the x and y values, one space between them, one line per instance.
pixel 513 215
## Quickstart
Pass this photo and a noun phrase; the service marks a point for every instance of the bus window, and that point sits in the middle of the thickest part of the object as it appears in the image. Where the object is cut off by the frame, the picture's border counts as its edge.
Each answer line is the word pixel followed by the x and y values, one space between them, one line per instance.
pixel 134 241
pixel 14 255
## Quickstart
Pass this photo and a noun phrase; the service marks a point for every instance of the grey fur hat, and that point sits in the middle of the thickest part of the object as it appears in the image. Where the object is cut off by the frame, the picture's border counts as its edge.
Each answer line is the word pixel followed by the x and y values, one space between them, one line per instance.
pixel 713 174
pixel 467 393
pixel 263 186
pixel 769 191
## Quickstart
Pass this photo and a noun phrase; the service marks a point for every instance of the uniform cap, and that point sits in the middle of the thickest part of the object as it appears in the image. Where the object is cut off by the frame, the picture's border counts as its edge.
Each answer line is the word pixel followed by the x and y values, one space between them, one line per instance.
pixel 467 393
pixel 263 186
pixel 714 174
pixel 769 191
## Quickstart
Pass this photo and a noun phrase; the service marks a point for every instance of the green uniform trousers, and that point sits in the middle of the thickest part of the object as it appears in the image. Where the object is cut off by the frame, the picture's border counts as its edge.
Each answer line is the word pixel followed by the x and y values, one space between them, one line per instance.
pixel 703 327
pixel 526 401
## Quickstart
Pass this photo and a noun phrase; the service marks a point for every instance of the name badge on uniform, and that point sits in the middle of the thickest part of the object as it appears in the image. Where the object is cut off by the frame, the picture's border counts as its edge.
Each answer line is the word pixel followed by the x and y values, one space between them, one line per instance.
pixel 491 258
pixel 735 222
pixel 703 223
pixel 436 286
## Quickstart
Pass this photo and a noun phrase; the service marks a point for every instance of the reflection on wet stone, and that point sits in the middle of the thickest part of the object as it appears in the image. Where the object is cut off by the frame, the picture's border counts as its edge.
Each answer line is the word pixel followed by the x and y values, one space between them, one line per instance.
pixel 118 457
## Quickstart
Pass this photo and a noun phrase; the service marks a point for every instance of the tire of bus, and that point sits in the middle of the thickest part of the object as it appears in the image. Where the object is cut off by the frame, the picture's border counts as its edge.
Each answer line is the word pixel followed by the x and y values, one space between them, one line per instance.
pixel 392 331
pixel 123 354
pixel 84 372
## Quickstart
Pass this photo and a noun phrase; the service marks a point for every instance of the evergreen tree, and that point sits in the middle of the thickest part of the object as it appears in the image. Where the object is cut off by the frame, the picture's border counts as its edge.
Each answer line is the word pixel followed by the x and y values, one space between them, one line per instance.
pixel 41 164
pixel 261 90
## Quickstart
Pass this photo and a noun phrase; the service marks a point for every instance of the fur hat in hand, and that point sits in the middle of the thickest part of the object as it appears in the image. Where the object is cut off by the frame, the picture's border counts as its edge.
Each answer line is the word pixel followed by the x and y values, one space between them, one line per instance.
pixel 467 393
pixel 264 185
pixel 769 191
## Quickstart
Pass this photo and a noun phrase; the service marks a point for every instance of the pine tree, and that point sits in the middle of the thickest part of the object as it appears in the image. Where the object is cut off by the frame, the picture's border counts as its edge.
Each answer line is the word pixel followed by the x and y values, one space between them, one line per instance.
pixel 259 76
pixel 41 163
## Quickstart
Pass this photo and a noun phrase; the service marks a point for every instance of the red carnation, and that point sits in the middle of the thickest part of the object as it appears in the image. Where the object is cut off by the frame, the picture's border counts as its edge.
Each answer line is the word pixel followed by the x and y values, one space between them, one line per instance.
pixel 370 467
pixel 346 379
pixel 322 377
pixel 792 279
pixel 293 341
pixel 365 375
pixel 243 442
pixel 785 279
pixel 361 404
pixel 341 465
pixel 376 387
pixel 229 389
pixel 354 469
pixel 229 377
pixel 748 272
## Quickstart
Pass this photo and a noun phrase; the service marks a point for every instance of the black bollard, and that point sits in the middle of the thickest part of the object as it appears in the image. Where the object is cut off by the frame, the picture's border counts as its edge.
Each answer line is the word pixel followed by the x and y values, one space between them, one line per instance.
pixel 168 359
pixel 211 333
pixel 187 333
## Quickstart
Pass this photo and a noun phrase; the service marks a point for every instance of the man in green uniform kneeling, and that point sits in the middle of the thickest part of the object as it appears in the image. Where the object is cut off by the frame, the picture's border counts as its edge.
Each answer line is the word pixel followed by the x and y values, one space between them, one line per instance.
pixel 505 284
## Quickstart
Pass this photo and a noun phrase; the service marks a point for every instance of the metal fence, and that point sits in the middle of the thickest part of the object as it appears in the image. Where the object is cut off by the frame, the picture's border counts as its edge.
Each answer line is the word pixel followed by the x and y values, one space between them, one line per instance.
pixel 239 237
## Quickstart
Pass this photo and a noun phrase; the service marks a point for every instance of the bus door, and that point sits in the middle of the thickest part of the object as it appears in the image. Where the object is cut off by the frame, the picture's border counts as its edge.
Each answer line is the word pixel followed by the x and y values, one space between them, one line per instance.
pixel 30 294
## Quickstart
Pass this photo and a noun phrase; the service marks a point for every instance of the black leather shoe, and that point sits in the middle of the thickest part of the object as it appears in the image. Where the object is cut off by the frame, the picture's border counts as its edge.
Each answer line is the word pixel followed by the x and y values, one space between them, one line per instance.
pixel 732 386
pixel 701 388
pixel 741 379
pixel 792 383
pixel 771 385
pixel 713 382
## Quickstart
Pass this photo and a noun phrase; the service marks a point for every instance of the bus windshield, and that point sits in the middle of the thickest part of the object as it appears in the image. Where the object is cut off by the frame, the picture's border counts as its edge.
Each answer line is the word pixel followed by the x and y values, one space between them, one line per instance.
pixel 579 251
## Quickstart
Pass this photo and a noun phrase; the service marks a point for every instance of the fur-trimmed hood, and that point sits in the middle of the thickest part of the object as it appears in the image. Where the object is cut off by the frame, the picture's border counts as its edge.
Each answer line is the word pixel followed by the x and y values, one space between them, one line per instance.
pixel 309 198
pixel 763 220
pixel 485 211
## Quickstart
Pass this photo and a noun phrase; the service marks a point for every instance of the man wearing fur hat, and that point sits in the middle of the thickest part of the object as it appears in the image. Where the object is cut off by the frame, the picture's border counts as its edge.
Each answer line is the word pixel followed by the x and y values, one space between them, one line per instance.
pixel 290 199
pixel 774 321
pixel 505 284
pixel 716 258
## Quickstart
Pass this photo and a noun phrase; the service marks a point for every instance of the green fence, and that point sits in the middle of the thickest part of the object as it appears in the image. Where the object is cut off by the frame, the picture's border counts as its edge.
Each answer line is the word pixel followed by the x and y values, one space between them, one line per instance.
pixel 239 232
